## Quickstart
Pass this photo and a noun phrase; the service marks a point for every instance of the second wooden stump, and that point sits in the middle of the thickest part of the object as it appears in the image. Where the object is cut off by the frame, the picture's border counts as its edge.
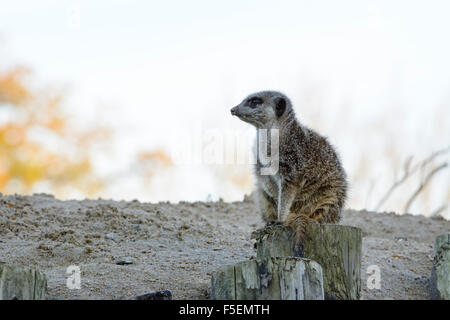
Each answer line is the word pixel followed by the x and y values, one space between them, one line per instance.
pixel 270 278
pixel 440 275
pixel 336 248
pixel 21 283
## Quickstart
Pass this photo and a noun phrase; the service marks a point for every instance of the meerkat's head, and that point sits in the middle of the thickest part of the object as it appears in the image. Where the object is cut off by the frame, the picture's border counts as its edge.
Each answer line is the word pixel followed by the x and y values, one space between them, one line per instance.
pixel 263 109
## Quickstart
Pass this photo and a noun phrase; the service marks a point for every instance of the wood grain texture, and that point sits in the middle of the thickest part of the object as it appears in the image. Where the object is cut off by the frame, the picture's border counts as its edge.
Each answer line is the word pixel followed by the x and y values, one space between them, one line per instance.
pixel 336 248
pixel 271 278
pixel 20 283
pixel 440 274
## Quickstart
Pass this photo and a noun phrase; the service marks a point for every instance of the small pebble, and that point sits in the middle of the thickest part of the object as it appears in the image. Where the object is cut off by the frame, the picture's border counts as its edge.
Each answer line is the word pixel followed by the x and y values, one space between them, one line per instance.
pixel 111 236
pixel 124 261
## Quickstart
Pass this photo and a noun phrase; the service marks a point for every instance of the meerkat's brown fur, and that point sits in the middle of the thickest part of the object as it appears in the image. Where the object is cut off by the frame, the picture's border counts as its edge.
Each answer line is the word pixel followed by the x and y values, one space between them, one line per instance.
pixel 311 184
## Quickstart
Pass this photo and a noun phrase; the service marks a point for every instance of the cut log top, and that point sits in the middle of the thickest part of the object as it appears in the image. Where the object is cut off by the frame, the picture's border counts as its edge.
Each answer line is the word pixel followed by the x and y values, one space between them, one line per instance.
pixel 336 248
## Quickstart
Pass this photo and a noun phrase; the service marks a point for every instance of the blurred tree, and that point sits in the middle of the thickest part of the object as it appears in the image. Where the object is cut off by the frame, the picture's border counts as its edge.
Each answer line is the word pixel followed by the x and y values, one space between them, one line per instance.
pixel 37 142
pixel 149 162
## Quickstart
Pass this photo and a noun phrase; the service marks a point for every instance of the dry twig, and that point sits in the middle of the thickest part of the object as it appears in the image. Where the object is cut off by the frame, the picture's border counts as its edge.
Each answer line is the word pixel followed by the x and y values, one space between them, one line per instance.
pixel 423 185
pixel 408 172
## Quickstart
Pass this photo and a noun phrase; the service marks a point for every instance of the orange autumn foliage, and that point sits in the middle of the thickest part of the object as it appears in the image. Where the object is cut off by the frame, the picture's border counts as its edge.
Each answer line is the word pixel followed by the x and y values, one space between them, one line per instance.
pixel 26 160
pixel 153 161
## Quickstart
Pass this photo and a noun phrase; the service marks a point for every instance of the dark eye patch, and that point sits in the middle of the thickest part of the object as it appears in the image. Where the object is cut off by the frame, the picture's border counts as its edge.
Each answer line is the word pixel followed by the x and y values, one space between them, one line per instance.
pixel 253 102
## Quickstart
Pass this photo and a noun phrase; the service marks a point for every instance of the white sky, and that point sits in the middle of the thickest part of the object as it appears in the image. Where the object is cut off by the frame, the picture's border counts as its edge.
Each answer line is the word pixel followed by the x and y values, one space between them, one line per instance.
pixel 152 68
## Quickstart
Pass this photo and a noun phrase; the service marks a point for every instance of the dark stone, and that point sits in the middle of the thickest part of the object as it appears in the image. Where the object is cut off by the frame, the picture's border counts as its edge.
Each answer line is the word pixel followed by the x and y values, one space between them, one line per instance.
pixel 124 261
pixel 156 295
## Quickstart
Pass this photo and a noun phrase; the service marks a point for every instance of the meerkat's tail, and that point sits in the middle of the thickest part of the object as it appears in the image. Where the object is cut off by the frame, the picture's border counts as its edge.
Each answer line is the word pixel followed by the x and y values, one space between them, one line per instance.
pixel 299 224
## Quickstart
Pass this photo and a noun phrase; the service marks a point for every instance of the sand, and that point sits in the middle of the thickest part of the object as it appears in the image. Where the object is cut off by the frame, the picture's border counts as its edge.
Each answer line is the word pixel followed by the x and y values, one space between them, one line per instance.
pixel 178 246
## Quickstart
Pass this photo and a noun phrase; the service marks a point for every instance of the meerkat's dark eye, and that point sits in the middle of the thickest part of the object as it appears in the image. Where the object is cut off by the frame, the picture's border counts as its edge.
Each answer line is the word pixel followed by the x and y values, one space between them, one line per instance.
pixel 280 106
pixel 254 102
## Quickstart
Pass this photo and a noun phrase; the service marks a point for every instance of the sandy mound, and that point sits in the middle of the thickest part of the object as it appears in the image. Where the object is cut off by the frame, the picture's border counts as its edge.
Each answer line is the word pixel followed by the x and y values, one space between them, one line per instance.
pixel 178 246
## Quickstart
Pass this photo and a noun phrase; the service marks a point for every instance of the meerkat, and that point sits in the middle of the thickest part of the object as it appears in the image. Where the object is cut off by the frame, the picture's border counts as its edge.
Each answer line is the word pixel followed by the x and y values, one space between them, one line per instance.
pixel 310 185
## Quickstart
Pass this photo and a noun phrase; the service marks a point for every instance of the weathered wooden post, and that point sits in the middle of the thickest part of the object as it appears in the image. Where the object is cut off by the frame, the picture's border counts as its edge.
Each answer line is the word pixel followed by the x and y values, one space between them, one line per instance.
pixel 271 278
pixel 20 283
pixel 336 248
pixel 440 274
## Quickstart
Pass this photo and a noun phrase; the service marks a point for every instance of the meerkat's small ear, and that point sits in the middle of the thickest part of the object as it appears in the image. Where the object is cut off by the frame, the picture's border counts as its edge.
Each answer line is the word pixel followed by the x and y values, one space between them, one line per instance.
pixel 280 106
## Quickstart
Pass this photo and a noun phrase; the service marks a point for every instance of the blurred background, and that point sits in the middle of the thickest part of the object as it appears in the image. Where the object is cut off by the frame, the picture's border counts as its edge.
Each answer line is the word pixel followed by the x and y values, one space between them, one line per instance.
pixel 131 99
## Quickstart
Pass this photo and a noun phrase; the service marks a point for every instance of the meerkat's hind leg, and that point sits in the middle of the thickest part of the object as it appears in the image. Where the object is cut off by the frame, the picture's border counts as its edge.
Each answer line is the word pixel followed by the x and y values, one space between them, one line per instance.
pixel 327 214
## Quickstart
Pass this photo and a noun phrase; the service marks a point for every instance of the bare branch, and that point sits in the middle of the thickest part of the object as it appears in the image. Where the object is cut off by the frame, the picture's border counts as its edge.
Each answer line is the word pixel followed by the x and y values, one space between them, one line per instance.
pixel 423 185
pixel 396 183
pixel 408 171
pixel 433 156
pixel 369 192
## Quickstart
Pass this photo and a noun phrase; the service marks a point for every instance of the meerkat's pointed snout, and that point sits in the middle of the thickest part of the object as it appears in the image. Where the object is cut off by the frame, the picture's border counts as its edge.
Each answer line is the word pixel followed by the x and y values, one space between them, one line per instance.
pixel 234 111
